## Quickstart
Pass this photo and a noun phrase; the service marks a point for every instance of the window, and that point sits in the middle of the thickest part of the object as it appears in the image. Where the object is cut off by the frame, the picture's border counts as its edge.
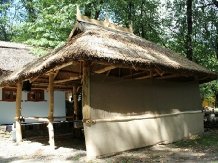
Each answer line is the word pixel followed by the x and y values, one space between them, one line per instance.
pixel 8 94
pixel 35 95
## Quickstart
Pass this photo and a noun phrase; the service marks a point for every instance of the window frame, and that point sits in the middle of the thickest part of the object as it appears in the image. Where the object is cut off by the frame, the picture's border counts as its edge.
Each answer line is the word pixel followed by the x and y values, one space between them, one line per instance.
pixel 11 90
pixel 36 92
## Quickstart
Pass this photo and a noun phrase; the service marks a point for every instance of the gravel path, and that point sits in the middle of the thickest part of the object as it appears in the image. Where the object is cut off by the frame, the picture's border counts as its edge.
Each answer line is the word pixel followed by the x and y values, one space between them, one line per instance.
pixel 70 149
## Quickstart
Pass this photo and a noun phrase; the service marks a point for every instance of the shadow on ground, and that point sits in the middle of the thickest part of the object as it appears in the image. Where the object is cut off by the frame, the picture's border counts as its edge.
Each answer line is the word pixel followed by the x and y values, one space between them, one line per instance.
pixel 65 141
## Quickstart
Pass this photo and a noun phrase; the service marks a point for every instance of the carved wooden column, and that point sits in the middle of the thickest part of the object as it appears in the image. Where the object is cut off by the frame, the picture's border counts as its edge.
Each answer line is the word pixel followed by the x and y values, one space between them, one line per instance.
pixel 18 113
pixel 86 90
pixel 75 99
pixel 51 111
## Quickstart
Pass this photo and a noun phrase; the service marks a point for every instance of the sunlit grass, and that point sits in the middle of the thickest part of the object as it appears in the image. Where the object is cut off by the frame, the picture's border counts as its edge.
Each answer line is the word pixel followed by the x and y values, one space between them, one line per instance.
pixel 203 142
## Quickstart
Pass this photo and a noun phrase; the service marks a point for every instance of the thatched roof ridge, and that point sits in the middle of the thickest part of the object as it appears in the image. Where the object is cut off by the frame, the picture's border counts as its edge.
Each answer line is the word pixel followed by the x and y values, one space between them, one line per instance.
pixel 14 56
pixel 103 44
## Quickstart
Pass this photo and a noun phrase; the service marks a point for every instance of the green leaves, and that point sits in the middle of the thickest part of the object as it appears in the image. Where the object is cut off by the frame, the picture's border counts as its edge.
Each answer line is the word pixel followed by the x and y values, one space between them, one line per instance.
pixel 51 27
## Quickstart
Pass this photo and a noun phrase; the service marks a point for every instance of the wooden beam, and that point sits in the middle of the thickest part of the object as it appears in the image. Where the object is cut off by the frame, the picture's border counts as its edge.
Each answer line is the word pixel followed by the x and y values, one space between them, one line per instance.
pixel 75 99
pixel 131 74
pixel 71 72
pixel 169 76
pixel 61 66
pixel 108 72
pixel 143 77
pixel 56 73
pixel 33 79
pixel 65 80
pixel 45 119
pixel 151 73
pixel 86 90
pixel 160 72
pixel 56 85
pixel 203 78
pixel 18 113
pixel 105 69
pixel 146 77
pixel 121 66
pixel 51 111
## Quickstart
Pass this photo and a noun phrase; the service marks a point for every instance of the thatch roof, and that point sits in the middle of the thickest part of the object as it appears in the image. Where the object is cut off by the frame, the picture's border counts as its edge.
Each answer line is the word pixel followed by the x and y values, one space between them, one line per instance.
pixel 13 56
pixel 111 52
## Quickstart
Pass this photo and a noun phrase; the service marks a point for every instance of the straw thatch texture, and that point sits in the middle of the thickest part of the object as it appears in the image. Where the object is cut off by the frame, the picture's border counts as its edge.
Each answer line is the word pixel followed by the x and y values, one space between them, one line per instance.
pixel 102 44
pixel 13 56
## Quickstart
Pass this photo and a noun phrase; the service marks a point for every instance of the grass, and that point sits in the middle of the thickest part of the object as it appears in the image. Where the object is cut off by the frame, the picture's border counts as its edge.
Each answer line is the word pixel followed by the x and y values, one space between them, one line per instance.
pixel 202 142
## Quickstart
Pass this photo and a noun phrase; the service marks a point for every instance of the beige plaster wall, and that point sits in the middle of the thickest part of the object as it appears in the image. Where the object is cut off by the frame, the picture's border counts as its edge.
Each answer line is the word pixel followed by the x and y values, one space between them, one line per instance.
pixel 108 138
pixel 115 98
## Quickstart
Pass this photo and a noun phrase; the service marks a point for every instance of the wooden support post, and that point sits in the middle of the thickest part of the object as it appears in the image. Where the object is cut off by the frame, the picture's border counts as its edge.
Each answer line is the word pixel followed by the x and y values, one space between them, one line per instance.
pixel 51 111
pixel 18 113
pixel 75 99
pixel 86 91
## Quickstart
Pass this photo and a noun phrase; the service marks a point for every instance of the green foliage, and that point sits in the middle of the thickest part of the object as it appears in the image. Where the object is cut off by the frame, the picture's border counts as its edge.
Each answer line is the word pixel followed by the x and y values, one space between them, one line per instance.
pixel 5 33
pixel 39 51
pixel 50 29
pixel 144 16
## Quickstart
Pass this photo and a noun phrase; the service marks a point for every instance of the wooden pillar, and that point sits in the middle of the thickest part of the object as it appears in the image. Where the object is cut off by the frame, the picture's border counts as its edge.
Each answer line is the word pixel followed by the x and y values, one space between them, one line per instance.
pixel 75 99
pixel 86 90
pixel 18 113
pixel 51 111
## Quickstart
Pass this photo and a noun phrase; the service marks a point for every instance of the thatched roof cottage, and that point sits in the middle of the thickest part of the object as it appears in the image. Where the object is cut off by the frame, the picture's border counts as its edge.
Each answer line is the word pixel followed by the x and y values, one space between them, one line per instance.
pixel 14 56
pixel 134 92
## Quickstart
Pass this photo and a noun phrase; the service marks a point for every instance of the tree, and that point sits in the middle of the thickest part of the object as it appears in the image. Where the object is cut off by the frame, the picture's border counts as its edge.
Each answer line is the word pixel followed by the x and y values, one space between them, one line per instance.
pixel 189 29
pixel 5 33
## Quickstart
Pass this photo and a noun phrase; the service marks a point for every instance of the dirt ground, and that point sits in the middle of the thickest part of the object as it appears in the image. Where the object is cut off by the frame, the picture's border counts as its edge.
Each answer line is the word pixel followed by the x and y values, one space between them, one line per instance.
pixel 198 148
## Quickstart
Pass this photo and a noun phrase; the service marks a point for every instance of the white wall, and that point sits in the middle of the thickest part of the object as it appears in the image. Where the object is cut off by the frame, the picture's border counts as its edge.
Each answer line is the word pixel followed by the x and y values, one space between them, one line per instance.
pixel 29 108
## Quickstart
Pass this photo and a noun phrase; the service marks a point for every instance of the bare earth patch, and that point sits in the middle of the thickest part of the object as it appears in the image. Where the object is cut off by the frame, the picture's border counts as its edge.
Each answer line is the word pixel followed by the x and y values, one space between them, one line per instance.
pixel 198 148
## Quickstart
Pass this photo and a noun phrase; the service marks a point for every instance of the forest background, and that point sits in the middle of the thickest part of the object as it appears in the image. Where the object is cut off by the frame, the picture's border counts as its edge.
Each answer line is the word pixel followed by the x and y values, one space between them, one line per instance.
pixel 188 27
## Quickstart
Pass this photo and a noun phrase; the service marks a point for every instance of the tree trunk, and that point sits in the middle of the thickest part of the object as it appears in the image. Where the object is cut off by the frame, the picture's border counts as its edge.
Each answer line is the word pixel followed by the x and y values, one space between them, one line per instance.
pixel 29 6
pixel 189 34
pixel 88 10
pixel 216 41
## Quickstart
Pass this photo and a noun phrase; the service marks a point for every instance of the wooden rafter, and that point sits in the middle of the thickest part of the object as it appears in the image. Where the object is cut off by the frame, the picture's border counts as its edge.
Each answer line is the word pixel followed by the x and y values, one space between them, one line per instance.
pixel 33 79
pixel 56 73
pixel 122 66
pixel 60 67
pixel 108 72
pixel 131 74
pixel 105 69
pixel 65 80
pixel 203 78
pixel 160 72
pixel 46 84
pixel 68 71
pixel 151 75
pixel 169 76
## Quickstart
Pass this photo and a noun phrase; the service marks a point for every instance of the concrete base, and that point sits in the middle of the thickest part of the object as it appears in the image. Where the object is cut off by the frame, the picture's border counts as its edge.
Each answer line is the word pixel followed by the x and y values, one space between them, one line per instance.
pixel 109 138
